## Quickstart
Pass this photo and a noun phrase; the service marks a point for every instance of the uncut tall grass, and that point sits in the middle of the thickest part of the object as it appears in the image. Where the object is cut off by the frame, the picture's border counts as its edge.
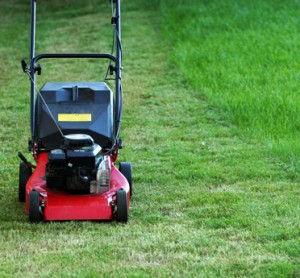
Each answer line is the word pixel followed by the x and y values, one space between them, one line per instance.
pixel 243 57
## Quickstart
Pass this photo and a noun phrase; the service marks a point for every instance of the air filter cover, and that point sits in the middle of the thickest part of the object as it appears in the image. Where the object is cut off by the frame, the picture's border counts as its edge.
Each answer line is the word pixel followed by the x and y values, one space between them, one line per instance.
pixel 77 141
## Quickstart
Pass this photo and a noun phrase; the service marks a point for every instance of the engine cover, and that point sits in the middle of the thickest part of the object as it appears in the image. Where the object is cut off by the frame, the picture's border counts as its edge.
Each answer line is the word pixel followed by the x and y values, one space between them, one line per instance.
pixel 73 167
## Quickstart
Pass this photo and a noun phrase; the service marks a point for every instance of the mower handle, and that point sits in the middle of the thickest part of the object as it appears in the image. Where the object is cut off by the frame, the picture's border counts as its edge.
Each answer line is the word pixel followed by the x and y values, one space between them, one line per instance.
pixel 73 55
pixel 33 69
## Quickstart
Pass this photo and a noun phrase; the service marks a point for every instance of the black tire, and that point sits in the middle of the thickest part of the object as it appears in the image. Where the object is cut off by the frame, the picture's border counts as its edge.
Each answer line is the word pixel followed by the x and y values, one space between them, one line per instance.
pixel 126 169
pixel 122 206
pixel 24 174
pixel 34 207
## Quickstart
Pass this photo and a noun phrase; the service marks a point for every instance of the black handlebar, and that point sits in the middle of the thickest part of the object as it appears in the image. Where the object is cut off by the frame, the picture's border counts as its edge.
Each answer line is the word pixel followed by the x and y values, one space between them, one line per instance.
pixel 73 55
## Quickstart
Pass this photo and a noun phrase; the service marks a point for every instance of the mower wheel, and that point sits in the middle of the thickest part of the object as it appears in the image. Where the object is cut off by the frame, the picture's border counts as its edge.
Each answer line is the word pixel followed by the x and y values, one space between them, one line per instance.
pixel 125 169
pixel 122 206
pixel 34 207
pixel 24 174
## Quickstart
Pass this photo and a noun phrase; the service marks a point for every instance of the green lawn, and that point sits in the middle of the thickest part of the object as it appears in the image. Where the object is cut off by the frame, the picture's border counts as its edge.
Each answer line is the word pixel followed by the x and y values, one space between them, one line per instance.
pixel 209 200
pixel 243 57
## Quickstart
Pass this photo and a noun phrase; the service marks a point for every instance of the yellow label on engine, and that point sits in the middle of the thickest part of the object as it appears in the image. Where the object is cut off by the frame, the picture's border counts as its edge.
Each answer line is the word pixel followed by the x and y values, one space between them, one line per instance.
pixel 74 117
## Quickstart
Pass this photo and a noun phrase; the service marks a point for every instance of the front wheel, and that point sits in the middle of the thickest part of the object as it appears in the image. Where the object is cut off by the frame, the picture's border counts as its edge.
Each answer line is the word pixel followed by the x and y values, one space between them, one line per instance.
pixel 35 214
pixel 122 206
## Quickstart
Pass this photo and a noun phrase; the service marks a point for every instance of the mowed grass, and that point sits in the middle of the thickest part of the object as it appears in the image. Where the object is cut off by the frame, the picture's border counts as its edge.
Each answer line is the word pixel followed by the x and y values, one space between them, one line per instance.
pixel 208 200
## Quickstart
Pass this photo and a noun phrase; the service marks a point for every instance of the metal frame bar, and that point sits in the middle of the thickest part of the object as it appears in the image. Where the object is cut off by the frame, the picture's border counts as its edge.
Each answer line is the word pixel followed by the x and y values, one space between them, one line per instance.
pixel 119 68
pixel 32 53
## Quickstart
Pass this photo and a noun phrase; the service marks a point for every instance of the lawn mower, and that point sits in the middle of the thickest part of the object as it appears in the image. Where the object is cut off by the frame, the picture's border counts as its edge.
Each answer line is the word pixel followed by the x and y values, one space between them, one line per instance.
pixel 75 141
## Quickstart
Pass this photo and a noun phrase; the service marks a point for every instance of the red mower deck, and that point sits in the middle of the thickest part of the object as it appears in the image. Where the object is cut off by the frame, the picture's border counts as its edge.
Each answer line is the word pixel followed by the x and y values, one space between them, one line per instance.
pixel 59 205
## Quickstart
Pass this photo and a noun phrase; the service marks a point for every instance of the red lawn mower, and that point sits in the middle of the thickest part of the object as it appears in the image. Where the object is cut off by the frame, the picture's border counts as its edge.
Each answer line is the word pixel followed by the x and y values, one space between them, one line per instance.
pixel 75 142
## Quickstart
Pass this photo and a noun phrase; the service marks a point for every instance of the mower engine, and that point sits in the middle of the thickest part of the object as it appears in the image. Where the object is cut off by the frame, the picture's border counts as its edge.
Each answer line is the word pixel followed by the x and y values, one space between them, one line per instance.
pixel 78 166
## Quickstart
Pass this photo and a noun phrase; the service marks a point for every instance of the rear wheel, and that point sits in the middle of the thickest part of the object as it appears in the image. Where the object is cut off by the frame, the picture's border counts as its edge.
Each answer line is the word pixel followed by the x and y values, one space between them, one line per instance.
pixel 126 169
pixel 122 206
pixel 34 207
pixel 24 174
